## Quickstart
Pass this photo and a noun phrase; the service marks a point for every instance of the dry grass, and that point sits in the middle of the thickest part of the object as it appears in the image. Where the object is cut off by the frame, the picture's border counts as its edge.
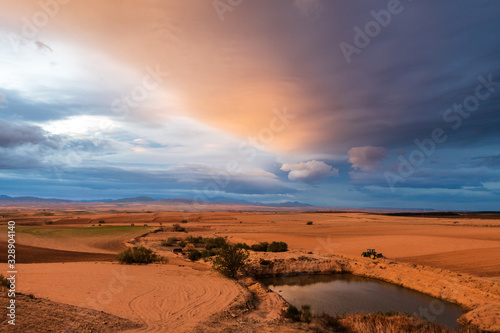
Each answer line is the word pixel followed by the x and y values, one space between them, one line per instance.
pixel 381 323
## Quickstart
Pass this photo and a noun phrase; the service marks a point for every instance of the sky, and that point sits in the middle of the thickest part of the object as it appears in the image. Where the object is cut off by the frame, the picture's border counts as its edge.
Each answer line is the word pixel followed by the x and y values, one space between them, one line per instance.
pixel 379 104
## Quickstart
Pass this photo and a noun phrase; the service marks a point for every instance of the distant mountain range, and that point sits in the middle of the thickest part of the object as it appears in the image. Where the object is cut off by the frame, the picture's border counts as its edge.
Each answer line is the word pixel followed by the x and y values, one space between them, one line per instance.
pixel 31 199
pixel 144 199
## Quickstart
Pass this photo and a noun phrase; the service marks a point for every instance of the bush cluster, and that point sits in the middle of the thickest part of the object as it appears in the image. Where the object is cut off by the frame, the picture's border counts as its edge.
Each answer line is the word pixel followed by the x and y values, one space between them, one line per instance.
pixel 208 253
pixel 277 247
pixel 244 246
pixel 214 243
pixel 194 255
pixel 170 241
pixel 138 255
pixel 194 240
pixel 261 247
pixel 177 228
pixel 273 247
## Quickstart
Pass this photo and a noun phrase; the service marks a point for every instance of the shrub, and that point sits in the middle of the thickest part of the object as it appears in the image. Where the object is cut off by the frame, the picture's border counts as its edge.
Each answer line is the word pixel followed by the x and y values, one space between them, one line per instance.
pixel 131 224
pixel 4 282
pixel 278 247
pixel 242 246
pixel 100 222
pixel 178 228
pixel 194 255
pixel 293 313
pixel 333 323
pixel 182 243
pixel 309 223
pixel 170 241
pixel 184 221
pixel 261 247
pixel 189 247
pixel 194 240
pixel 138 255
pixel 299 315
pixel 229 260
pixel 305 314
pixel 208 253
pixel 145 224
pixel 214 243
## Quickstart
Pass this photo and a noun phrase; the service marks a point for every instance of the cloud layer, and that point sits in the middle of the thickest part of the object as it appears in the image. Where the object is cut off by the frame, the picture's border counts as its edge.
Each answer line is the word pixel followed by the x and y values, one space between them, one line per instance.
pixel 215 108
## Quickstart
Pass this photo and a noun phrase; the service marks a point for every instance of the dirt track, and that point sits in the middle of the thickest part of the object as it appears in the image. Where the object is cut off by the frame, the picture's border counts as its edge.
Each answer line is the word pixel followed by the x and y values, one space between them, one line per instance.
pixel 165 298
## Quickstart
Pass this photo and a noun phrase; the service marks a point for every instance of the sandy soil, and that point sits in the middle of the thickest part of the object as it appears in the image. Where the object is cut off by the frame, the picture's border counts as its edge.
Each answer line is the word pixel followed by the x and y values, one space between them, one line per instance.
pixel 165 298
pixel 106 239
pixel 455 244
pixel 180 296
pixel 42 315
pixel 32 254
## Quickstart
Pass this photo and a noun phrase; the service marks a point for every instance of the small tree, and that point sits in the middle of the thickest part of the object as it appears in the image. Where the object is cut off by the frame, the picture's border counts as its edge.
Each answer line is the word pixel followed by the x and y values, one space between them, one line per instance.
pixel 230 259
pixel 309 223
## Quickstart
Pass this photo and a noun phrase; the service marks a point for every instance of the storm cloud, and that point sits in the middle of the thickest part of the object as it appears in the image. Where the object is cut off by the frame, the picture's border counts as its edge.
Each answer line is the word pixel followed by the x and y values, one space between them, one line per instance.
pixel 213 114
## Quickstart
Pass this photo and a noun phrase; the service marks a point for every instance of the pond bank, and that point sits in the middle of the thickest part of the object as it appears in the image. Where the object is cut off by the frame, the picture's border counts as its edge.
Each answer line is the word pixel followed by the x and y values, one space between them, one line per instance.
pixel 480 297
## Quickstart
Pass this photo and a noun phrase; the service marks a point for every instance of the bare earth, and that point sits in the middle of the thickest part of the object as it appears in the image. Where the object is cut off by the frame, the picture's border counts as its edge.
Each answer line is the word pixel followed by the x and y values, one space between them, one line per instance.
pixel 181 296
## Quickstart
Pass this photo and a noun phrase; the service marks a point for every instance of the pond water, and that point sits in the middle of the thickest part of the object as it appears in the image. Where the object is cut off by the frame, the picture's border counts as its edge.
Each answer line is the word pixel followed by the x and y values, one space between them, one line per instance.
pixel 338 294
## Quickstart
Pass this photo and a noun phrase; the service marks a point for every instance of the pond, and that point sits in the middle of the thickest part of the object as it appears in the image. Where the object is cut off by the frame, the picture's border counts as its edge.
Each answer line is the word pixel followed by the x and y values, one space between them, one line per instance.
pixel 338 294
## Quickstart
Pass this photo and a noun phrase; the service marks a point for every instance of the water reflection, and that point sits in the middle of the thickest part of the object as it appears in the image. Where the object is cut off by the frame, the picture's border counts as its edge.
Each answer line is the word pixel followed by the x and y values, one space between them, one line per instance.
pixel 338 294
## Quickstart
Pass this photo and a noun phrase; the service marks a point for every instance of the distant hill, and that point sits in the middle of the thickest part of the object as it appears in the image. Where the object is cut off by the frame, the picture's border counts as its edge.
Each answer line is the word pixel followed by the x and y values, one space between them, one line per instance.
pixel 31 199
pixel 146 199
pixel 136 199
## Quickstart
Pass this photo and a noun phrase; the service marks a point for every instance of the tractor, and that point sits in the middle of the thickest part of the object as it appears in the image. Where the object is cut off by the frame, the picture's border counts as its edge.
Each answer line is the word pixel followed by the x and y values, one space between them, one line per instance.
pixel 371 253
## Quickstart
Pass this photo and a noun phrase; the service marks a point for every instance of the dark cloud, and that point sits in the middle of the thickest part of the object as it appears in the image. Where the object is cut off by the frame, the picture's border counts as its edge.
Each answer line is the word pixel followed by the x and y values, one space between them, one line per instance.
pixel 366 158
pixel 489 161
pixel 397 88
pixel 13 135
pixel 25 146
